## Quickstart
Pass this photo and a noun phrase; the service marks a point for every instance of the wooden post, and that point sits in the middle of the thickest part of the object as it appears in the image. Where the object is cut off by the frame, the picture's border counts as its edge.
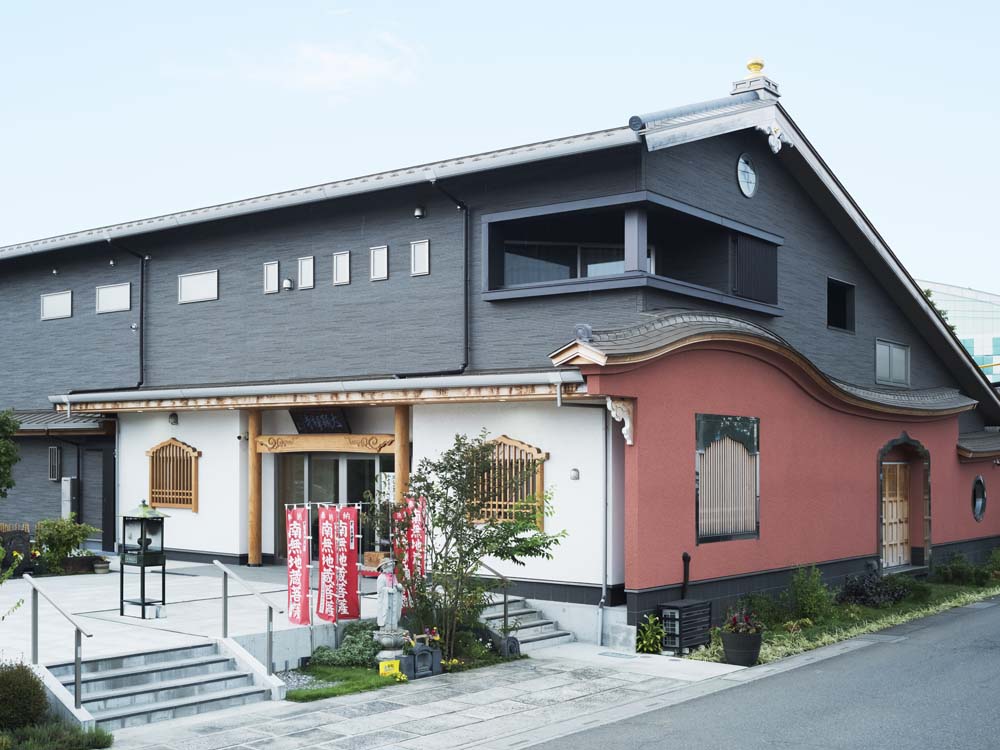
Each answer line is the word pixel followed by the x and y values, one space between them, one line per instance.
pixel 402 451
pixel 253 490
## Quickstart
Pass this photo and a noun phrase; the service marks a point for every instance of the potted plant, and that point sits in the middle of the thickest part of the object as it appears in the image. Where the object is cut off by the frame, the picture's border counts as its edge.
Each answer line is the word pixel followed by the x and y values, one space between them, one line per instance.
pixel 102 565
pixel 742 633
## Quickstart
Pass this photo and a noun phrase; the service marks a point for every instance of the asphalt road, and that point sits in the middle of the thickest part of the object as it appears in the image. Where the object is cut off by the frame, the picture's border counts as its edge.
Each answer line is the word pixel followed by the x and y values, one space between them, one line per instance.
pixel 938 688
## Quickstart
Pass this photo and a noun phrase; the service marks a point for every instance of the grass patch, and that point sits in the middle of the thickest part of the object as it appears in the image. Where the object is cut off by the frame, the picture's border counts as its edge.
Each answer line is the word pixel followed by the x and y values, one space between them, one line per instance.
pixel 346 680
pixel 851 620
pixel 54 735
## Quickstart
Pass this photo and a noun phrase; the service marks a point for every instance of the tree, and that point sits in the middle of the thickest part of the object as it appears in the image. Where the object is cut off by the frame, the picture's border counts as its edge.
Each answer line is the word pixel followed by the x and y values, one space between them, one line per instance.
pixel 8 451
pixel 929 294
pixel 458 488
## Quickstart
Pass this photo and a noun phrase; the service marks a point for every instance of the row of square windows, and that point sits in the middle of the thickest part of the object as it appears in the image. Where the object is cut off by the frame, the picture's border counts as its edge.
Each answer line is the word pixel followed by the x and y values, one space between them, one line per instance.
pixel 204 285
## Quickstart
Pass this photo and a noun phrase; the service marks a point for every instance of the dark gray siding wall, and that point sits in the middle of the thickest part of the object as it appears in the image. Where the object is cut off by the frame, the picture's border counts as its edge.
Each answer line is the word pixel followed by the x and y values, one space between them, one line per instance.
pixel 34 497
pixel 704 174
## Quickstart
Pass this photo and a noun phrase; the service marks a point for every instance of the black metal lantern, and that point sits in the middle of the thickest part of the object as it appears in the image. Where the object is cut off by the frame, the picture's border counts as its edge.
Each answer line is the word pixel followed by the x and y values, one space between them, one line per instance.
pixel 142 547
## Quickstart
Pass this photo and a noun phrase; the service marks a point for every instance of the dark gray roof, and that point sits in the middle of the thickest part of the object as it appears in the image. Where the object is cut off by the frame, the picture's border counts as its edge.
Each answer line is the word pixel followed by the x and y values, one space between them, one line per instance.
pixel 689 113
pixel 40 421
pixel 668 327
pixel 980 443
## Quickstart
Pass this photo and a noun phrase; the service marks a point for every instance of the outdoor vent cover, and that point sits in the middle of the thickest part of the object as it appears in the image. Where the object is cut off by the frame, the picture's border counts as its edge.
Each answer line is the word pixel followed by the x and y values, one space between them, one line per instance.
pixel 55 463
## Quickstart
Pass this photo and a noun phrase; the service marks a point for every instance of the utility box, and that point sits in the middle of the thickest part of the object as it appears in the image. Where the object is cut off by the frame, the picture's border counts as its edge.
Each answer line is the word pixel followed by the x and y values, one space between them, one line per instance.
pixel 687 624
pixel 70 496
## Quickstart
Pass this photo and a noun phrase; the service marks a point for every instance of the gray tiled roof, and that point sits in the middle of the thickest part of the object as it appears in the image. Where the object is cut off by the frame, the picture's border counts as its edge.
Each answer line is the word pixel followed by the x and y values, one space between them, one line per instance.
pixel 987 441
pixel 32 421
pixel 668 327
pixel 689 113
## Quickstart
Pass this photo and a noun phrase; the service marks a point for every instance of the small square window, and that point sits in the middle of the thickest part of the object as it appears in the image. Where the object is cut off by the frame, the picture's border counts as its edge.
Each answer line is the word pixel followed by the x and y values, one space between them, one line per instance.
pixel 341 268
pixel 840 305
pixel 420 258
pixel 271 273
pixel 892 363
pixel 114 298
pixel 197 287
pixel 306 273
pixel 379 263
pixel 57 305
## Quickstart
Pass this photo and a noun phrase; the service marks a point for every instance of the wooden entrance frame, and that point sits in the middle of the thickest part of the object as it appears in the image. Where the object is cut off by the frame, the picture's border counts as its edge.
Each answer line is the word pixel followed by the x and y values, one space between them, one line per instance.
pixel 905 441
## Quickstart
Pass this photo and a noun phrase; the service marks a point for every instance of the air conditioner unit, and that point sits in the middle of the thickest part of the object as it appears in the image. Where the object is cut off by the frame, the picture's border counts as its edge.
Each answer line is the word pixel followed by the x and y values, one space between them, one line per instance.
pixel 687 624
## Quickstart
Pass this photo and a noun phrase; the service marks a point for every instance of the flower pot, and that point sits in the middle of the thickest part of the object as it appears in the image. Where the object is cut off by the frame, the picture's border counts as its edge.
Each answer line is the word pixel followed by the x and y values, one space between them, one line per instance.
pixel 742 649
pixel 102 566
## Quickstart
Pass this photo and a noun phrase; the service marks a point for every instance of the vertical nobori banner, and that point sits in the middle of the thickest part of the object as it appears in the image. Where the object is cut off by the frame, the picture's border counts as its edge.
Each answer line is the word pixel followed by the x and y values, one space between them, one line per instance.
pixel 297 531
pixel 416 547
pixel 326 605
pixel 346 555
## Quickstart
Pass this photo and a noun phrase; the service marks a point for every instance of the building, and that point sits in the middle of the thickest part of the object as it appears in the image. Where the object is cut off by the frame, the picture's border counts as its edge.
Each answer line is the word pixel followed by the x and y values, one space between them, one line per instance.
pixel 687 317
pixel 976 317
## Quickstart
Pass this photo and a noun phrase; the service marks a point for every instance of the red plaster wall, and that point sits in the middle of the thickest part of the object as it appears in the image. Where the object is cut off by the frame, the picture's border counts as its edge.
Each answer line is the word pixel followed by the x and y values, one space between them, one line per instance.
pixel 819 478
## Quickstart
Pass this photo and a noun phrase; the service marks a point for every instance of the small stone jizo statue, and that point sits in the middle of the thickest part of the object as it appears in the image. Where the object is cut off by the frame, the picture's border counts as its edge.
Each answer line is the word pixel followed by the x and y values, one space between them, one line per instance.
pixel 390 596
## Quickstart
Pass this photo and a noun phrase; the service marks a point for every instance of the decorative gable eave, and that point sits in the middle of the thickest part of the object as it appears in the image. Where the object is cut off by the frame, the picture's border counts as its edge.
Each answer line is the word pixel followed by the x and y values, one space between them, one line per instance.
pixel 576 354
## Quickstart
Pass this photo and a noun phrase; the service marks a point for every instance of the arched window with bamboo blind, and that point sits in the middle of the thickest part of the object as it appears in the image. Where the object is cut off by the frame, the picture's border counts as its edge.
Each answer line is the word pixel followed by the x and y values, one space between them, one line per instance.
pixel 173 475
pixel 516 477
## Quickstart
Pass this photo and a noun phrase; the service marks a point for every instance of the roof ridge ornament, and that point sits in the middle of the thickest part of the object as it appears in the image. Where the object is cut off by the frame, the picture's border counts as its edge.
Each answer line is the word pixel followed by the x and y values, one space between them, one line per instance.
pixel 776 137
pixel 756 81
pixel 623 410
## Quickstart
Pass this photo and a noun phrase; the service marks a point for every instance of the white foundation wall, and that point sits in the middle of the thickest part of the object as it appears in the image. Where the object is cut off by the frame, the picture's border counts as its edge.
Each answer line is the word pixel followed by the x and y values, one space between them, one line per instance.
pixel 220 525
pixel 574 439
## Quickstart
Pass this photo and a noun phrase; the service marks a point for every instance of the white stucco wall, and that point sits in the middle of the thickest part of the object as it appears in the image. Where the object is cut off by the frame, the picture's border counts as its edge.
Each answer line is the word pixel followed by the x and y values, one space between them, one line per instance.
pixel 574 439
pixel 221 521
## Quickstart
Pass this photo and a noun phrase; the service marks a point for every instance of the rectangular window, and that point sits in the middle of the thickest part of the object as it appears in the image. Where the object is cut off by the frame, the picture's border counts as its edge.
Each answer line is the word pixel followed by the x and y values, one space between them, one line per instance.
pixel 379 263
pixel 57 305
pixel 892 363
pixel 197 287
pixel 55 463
pixel 727 477
pixel 114 298
pixel 420 258
pixel 341 268
pixel 271 272
pixel 840 305
pixel 306 273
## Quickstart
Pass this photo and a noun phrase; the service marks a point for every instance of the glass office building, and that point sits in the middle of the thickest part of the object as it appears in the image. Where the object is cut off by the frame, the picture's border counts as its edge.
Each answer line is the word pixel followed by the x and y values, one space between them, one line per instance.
pixel 976 317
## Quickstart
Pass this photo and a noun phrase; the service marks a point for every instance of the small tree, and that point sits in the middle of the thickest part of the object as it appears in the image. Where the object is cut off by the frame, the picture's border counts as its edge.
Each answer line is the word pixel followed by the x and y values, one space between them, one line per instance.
pixel 458 489
pixel 8 451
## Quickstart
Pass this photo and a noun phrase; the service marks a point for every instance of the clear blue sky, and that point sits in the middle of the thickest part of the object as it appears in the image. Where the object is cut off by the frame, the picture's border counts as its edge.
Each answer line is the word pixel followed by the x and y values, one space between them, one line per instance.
pixel 112 111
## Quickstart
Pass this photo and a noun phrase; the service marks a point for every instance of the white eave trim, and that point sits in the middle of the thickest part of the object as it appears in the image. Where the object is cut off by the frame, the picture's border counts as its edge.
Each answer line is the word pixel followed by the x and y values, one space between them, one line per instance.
pixel 532 152
pixel 546 377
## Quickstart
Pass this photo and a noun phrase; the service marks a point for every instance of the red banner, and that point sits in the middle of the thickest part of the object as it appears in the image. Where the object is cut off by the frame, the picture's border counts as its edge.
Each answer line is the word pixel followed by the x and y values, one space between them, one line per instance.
pixel 411 550
pixel 297 532
pixel 338 564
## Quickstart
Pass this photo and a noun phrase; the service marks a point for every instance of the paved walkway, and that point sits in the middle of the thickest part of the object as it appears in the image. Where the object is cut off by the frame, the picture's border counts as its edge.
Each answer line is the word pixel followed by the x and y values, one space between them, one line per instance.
pixel 511 705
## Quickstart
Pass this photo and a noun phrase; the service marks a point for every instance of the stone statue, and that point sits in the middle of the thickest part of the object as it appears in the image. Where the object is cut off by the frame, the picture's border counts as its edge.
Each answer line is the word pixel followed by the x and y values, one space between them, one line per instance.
pixel 390 596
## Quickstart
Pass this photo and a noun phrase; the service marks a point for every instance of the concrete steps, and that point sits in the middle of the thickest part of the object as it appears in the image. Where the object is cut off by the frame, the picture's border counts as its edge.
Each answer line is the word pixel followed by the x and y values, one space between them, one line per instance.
pixel 123 691
pixel 528 623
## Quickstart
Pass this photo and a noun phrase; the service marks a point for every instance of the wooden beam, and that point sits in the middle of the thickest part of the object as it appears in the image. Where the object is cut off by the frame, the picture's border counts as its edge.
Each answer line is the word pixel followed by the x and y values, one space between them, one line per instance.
pixel 335 443
pixel 254 490
pixel 402 450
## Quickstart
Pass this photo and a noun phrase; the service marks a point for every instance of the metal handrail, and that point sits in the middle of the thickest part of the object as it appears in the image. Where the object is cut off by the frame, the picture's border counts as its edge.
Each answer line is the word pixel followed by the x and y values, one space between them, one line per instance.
pixel 505 583
pixel 271 608
pixel 77 642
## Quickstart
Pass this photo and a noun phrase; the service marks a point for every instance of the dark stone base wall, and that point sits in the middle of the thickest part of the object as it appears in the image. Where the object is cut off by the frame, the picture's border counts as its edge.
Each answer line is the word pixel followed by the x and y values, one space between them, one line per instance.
pixel 726 592
pixel 976 550
pixel 570 593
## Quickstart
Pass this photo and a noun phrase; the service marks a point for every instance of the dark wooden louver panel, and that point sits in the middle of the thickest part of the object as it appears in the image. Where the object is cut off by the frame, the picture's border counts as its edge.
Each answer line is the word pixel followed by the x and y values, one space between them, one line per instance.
pixel 755 269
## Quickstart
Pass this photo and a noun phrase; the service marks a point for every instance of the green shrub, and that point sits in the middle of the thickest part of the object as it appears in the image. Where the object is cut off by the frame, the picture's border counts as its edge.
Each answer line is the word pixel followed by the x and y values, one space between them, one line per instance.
pixel 54 735
pixel 874 590
pixel 359 627
pixel 807 596
pixel 22 697
pixel 649 636
pixel 767 608
pixel 981 576
pixel 59 537
pixel 357 649
pixel 993 564
pixel 957 570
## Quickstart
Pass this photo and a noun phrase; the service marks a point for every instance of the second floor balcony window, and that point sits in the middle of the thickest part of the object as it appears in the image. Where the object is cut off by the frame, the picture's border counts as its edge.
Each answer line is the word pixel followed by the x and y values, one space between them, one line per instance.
pixel 527 262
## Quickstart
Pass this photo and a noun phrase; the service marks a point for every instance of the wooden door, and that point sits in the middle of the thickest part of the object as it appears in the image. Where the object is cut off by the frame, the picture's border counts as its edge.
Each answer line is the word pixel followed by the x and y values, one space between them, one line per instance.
pixel 895 514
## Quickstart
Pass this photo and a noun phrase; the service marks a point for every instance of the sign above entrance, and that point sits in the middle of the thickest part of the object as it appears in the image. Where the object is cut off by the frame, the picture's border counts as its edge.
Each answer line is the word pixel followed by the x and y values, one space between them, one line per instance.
pixel 340 443
pixel 320 421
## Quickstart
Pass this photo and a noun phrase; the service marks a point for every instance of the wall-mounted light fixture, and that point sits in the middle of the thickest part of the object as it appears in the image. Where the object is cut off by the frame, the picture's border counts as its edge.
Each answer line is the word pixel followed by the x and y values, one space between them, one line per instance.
pixel 287 285
pixel 418 212
pixel 55 271
pixel 173 418
pixel 574 474
pixel 112 262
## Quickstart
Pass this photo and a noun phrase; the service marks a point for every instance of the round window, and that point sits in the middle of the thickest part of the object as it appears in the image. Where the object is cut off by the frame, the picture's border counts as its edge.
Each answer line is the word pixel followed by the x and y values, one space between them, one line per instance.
pixel 746 175
pixel 978 498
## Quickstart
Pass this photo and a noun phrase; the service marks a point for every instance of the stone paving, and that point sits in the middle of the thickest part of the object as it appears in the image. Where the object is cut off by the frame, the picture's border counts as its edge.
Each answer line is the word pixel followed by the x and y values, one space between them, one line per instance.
pixel 504 704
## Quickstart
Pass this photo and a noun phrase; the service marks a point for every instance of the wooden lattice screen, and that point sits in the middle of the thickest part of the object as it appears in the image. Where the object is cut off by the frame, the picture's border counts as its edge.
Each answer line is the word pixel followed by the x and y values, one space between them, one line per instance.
pixel 512 481
pixel 173 475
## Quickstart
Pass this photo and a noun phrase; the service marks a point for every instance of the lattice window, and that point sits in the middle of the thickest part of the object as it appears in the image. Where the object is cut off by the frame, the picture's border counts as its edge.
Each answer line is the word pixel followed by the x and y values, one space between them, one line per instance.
pixel 727 477
pixel 517 477
pixel 173 475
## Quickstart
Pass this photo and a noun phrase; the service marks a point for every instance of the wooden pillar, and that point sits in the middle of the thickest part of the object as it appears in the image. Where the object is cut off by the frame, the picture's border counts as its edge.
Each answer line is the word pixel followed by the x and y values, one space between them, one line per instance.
pixel 402 451
pixel 253 490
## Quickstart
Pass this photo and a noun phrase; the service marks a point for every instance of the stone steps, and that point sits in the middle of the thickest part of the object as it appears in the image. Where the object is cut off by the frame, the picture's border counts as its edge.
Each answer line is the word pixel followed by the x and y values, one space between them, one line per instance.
pixel 140 688
pixel 528 623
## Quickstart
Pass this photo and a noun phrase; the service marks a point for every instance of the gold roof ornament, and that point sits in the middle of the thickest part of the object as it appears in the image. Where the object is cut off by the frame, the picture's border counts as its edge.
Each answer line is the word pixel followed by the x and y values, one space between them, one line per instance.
pixel 755 65
pixel 757 81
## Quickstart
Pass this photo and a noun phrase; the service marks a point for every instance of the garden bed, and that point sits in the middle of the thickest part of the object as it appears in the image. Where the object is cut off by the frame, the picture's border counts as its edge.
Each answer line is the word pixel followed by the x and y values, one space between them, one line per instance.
pixel 846 621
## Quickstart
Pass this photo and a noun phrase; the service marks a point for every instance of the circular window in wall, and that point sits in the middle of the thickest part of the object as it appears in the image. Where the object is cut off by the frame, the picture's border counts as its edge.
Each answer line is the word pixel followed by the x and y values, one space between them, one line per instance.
pixel 978 498
pixel 746 175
